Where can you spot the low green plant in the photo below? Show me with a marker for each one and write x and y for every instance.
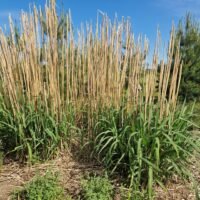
(41, 188)
(97, 188)
(145, 147)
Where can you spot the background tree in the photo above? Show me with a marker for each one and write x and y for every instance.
(189, 34)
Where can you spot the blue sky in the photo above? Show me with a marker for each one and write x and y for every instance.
(146, 15)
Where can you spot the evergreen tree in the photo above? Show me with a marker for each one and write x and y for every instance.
(189, 34)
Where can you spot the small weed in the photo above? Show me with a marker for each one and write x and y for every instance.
(41, 188)
(97, 188)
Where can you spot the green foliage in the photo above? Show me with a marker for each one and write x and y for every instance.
(147, 149)
(41, 188)
(189, 34)
(32, 133)
(97, 188)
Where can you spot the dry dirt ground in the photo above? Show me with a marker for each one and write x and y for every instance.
(13, 176)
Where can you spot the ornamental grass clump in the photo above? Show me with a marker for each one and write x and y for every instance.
(95, 69)
(57, 82)
(97, 84)
(147, 150)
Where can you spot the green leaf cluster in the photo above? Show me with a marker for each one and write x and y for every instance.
(97, 188)
(41, 188)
